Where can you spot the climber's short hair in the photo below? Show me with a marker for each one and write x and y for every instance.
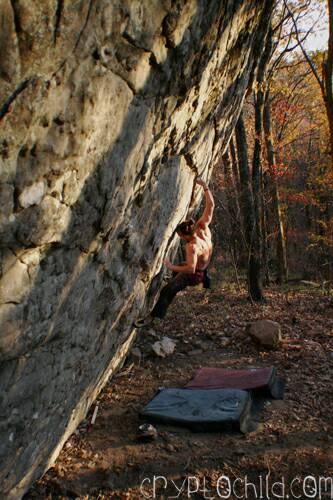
(186, 228)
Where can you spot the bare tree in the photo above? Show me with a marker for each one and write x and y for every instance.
(251, 224)
(325, 79)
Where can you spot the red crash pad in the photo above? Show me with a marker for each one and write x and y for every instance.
(257, 379)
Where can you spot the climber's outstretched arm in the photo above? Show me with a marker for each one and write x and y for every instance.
(207, 215)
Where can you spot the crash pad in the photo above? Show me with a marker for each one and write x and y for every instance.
(201, 410)
(263, 381)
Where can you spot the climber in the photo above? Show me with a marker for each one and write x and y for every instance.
(198, 253)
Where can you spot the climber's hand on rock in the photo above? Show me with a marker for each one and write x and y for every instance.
(167, 263)
(201, 182)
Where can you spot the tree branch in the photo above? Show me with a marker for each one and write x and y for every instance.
(305, 54)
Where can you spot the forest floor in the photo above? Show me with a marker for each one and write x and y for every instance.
(293, 440)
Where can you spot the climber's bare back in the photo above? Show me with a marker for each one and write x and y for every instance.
(199, 239)
(202, 245)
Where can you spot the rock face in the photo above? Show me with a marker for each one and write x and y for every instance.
(108, 110)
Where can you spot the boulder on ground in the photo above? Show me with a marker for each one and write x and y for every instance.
(164, 347)
(265, 332)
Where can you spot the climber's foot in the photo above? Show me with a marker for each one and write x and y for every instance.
(142, 322)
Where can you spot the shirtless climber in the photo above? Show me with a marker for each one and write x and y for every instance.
(198, 253)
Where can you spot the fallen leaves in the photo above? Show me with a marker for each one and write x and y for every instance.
(294, 435)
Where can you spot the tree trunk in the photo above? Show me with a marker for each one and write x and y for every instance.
(232, 204)
(282, 270)
(242, 253)
(327, 77)
(256, 172)
(265, 248)
(234, 164)
(247, 204)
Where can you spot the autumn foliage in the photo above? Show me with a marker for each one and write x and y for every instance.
(295, 200)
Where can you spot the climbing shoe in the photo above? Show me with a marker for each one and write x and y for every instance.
(142, 322)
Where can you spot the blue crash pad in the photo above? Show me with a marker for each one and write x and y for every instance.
(201, 410)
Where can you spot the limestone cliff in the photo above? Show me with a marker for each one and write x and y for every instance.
(108, 108)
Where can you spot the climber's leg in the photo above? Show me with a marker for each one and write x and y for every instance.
(167, 294)
(175, 285)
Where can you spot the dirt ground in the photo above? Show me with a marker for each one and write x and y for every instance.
(290, 455)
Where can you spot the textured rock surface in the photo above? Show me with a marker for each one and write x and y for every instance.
(265, 332)
(107, 111)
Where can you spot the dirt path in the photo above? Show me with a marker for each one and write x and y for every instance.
(293, 440)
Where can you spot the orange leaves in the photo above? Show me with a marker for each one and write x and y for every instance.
(283, 110)
(303, 198)
(281, 169)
